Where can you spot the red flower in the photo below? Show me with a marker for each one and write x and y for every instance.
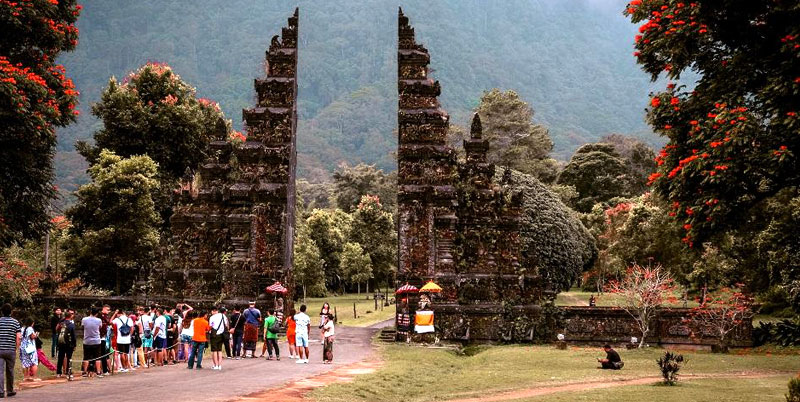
(655, 102)
(674, 101)
(694, 122)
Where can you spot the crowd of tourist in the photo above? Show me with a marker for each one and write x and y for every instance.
(155, 336)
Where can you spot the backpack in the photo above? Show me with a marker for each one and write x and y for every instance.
(62, 335)
(275, 327)
(125, 329)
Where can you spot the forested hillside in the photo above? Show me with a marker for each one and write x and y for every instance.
(570, 59)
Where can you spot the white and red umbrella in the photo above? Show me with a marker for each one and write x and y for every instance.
(277, 288)
(406, 289)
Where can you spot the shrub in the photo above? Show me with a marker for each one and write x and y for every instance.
(794, 390)
(783, 333)
(670, 364)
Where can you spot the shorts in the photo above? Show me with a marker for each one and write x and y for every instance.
(147, 342)
(159, 343)
(216, 342)
(301, 340)
(186, 339)
(124, 348)
(91, 352)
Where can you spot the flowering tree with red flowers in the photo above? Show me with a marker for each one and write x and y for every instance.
(35, 98)
(18, 281)
(720, 314)
(642, 291)
(734, 138)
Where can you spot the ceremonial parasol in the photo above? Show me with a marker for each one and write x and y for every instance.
(406, 289)
(431, 287)
(277, 288)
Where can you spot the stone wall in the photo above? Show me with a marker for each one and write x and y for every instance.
(598, 325)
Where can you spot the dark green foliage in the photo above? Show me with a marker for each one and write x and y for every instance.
(554, 241)
(783, 333)
(570, 60)
(598, 174)
(734, 138)
(638, 157)
(35, 98)
(114, 223)
(155, 113)
(670, 364)
(794, 390)
(374, 230)
(350, 184)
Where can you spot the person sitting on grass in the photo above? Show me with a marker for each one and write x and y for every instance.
(612, 360)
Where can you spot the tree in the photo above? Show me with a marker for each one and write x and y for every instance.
(598, 174)
(35, 98)
(733, 139)
(719, 314)
(328, 229)
(308, 268)
(374, 230)
(355, 264)
(153, 112)
(352, 183)
(642, 291)
(553, 239)
(514, 140)
(313, 195)
(18, 280)
(114, 223)
(639, 159)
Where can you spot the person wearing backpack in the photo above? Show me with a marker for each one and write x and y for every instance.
(27, 352)
(67, 341)
(271, 328)
(124, 328)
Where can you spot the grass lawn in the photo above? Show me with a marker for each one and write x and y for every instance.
(365, 309)
(578, 297)
(710, 390)
(420, 374)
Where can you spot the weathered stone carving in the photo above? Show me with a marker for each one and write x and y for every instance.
(456, 226)
(233, 228)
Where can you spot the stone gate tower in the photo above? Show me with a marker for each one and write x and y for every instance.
(233, 228)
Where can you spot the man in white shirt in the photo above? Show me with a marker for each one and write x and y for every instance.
(303, 322)
(146, 331)
(124, 327)
(160, 335)
(219, 324)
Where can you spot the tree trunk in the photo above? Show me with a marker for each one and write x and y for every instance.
(304, 293)
(359, 287)
(367, 286)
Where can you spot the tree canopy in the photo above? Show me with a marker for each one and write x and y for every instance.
(35, 98)
(598, 173)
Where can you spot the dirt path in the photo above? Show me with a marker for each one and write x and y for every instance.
(296, 391)
(601, 384)
(237, 378)
(573, 300)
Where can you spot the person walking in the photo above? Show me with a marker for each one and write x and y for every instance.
(290, 333)
(27, 352)
(271, 328)
(199, 339)
(123, 327)
(91, 344)
(10, 339)
(302, 328)
(54, 320)
(327, 339)
(66, 339)
(218, 325)
(237, 331)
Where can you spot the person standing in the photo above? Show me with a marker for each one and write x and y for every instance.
(200, 328)
(160, 335)
(10, 339)
(66, 339)
(252, 317)
(290, 333)
(54, 320)
(27, 352)
(146, 322)
(271, 329)
(327, 340)
(124, 327)
(187, 332)
(105, 332)
(91, 343)
(237, 331)
(302, 328)
(218, 325)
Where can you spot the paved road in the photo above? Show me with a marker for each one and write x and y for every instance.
(237, 378)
